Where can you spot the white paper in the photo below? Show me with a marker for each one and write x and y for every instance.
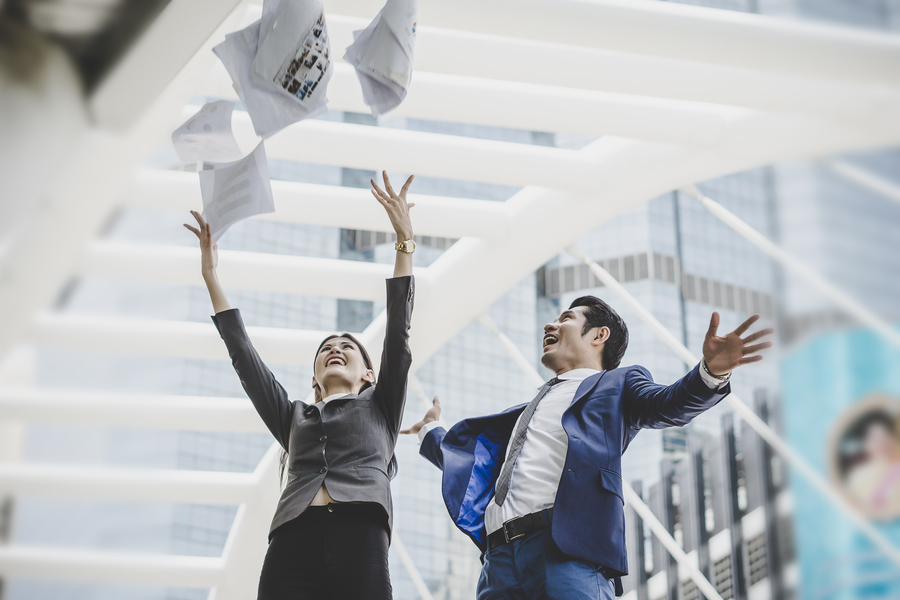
(236, 191)
(382, 54)
(294, 54)
(207, 136)
(269, 110)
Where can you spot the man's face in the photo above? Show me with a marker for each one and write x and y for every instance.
(565, 348)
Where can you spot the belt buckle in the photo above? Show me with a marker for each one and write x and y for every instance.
(506, 532)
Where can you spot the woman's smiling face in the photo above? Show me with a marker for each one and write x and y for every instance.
(340, 365)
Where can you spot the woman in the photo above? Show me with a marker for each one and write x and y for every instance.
(330, 534)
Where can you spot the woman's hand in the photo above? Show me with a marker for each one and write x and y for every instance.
(209, 252)
(433, 414)
(209, 260)
(396, 206)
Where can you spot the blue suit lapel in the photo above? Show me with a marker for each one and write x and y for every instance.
(587, 386)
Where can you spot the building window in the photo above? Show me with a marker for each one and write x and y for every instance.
(722, 578)
(756, 557)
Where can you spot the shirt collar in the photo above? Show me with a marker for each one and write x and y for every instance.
(334, 397)
(578, 374)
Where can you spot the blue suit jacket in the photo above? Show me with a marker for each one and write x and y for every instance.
(608, 410)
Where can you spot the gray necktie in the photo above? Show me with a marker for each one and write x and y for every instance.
(518, 440)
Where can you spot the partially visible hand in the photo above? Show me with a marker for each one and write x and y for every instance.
(724, 354)
(396, 206)
(209, 259)
(433, 414)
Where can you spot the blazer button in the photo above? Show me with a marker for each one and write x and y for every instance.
(323, 438)
(323, 469)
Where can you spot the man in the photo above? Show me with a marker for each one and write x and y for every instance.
(538, 487)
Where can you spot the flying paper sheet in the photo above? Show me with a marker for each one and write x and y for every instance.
(207, 135)
(270, 110)
(294, 54)
(383, 55)
(235, 191)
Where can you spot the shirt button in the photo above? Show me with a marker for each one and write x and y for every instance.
(323, 438)
(330, 508)
(323, 469)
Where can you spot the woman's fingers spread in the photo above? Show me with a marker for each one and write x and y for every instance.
(196, 231)
(407, 184)
(199, 218)
(387, 183)
(379, 198)
(378, 190)
(410, 205)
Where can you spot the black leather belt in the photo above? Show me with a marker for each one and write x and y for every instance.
(520, 527)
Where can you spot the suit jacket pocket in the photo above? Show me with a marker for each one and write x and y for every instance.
(371, 468)
(612, 482)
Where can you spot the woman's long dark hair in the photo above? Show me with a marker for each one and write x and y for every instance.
(392, 466)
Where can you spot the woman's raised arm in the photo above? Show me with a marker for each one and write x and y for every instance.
(209, 259)
(390, 390)
(398, 211)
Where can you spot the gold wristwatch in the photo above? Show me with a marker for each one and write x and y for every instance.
(409, 246)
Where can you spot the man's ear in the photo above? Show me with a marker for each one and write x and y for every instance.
(601, 334)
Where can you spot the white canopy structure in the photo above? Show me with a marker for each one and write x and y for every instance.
(675, 95)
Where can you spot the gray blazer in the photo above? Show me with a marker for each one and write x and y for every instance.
(345, 444)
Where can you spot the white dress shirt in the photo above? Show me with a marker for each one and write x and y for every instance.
(538, 469)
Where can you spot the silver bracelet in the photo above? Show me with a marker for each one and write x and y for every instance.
(721, 378)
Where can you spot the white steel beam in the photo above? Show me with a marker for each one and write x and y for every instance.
(144, 485)
(35, 562)
(795, 460)
(672, 30)
(866, 179)
(247, 541)
(331, 205)
(529, 106)
(353, 280)
(851, 306)
(179, 33)
(169, 338)
(444, 51)
(432, 154)
(185, 413)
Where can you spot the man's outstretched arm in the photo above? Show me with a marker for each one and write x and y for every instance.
(653, 406)
(431, 432)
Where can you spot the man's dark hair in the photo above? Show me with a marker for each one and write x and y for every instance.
(600, 314)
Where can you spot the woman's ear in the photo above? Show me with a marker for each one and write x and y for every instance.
(369, 376)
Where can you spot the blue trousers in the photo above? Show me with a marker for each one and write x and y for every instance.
(533, 568)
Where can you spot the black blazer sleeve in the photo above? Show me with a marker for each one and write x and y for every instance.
(267, 395)
(396, 358)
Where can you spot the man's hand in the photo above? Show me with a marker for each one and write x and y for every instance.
(433, 414)
(724, 354)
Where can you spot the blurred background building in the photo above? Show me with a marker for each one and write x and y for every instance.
(754, 530)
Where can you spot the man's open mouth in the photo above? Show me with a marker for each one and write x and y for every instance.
(550, 339)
